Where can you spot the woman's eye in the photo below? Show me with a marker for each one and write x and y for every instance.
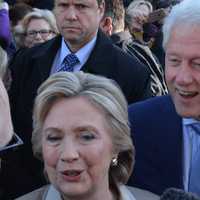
(53, 138)
(87, 136)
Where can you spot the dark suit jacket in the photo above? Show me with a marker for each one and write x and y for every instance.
(31, 67)
(156, 130)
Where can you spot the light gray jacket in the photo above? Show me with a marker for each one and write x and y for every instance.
(50, 193)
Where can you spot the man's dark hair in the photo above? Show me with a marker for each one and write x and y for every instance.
(18, 11)
(115, 10)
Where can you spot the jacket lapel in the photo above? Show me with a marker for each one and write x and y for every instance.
(44, 59)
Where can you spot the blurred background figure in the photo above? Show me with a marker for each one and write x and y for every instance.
(16, 14)
(113, 24)
(38, 26)
(5, 32)
(137, 14)
(44, 4)
(6, 128)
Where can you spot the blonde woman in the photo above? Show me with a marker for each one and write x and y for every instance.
(39, 26)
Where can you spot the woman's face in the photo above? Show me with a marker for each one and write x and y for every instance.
(77, 148)
(38, 31)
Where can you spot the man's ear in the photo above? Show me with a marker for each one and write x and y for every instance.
(106, 25)
(102, 9)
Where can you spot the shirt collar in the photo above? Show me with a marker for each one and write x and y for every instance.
(52, 194)
(188, 121)
(82, 53)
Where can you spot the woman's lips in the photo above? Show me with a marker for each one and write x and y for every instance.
(72, 175)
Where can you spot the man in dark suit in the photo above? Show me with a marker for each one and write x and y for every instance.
(166, 130)
(78, 22)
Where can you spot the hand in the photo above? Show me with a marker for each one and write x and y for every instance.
(6, 127)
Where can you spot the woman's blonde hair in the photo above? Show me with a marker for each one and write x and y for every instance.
(47, 15)
(101, 92)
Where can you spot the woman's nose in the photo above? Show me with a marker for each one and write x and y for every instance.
(69, 151)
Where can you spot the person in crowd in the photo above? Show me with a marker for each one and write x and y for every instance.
(5, 32)
(137, 15)
(16, 14)
(88, 154)
(166, 129)
(6, 40)
(38, 26)
(44, 4)
(81, 46)
(112, 23)
(114, 26)
(6, 128)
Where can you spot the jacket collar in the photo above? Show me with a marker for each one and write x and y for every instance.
(53, 194)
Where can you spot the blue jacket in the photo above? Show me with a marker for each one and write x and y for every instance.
(156, 130)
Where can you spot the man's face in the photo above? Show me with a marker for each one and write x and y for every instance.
(183, 69)
(78, 20)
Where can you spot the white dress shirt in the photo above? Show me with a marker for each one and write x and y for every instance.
(187, 150)
(82, 54)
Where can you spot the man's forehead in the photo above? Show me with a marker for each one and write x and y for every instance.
(77, 1)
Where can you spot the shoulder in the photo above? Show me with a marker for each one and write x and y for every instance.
(105, 44)
(38, 50)
(36, 194)
(153, 112)
(140, 194)
(154, 103)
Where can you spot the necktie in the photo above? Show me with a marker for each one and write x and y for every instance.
(194, 179)
(68, 63)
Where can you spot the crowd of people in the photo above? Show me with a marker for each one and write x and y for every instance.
(100, 99)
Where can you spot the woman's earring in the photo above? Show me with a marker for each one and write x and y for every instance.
(114, 162)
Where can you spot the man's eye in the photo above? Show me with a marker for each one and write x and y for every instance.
(196, 65)
(80, 6)
(174, 61)
(62, 5)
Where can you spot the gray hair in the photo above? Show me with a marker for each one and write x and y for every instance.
(3, 62)
(131, 9)
(184, 13)
(101, 92)
(47, 15)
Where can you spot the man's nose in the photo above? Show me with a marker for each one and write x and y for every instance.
(184, 75)
(71, 13)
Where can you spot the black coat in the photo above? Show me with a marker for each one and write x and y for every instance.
(31, 67)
